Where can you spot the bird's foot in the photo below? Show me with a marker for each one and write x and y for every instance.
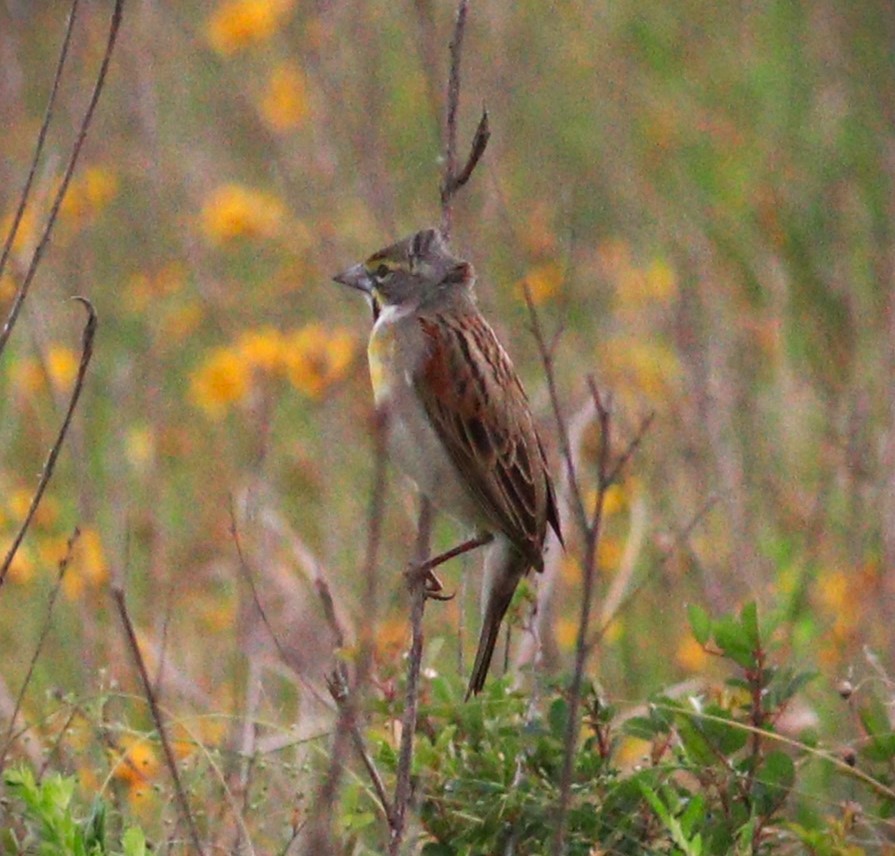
(433, 588)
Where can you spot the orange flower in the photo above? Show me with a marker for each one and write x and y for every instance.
(138, 763)
(21, 570)
(263, 348)
(234, 211)
(543, 281)
(62, 367)
(88, 194)
(690, 655)
(285, 102)
(89, 568)
(316, 358)
(236, 24)
(221, 380)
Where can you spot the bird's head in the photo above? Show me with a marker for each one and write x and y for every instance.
(417, 270)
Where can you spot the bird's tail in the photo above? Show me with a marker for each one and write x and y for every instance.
(504, 567)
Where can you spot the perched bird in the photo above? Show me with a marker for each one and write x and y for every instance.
(457, 417)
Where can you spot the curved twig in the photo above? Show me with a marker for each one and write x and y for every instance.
(22, 292)
(49, 466)
(454, 180)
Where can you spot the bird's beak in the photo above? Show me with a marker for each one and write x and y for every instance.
(356, 277)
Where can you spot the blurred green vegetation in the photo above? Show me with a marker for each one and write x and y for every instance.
(699, 194)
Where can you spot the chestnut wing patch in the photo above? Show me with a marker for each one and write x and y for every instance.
(478, 408)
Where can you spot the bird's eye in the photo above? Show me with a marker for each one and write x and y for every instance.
(382, 271)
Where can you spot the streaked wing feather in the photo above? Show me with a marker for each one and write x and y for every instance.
(482, 418)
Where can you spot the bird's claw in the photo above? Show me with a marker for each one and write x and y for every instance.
(433, 587)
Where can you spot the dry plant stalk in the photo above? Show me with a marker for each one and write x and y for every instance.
(22, 291)
(50, 465)
(344, 695)
(589, 525)
(38, 148)
(170, 762)
(320, 838)
(452, 182)
(44, 631)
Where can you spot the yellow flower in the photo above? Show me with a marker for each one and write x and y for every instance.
(21, 570)
(632, 751)
(89, 567)
(543, 281)
(609, 554)
(222, 379)
(834, 591)
(51, 550)
(264, 348)
(566, 630)
(317, 357)
(285, 101)
(391, 636)
(639, 288)
(26, 234)
(7, 287)
(234, 211)
(690, 655)
(139, 447)
(649, 368)
(143, 289)
(47, 512)
(138, 763)
(89, 193)
(178, 322)
(62, 366)
(236, 24)
(27, 377)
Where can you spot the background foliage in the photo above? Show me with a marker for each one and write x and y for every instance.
(699, 194)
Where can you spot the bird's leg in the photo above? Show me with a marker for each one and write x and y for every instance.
(434, 586)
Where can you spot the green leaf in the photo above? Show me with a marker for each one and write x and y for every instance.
(774, 781)
(700, 623)
(693, 817)
(437, 849)
(733, 640)
(722, 731)
(558, 718)
(749, 621)
(133, 842)
(875, 720)
(642, 727)
(698, 749)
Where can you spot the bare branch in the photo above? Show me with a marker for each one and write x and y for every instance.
(452, 180)
(479, 143)
(247, 575)
(632, 447)
(453, 92)
(546, 353)
(582, 648)
(131, 637)
(66, 178)
(417, 582)
(49, 466)
(320, 836)
(338, 689)
(41, 138)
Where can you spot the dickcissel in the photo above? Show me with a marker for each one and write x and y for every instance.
(457, 417)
